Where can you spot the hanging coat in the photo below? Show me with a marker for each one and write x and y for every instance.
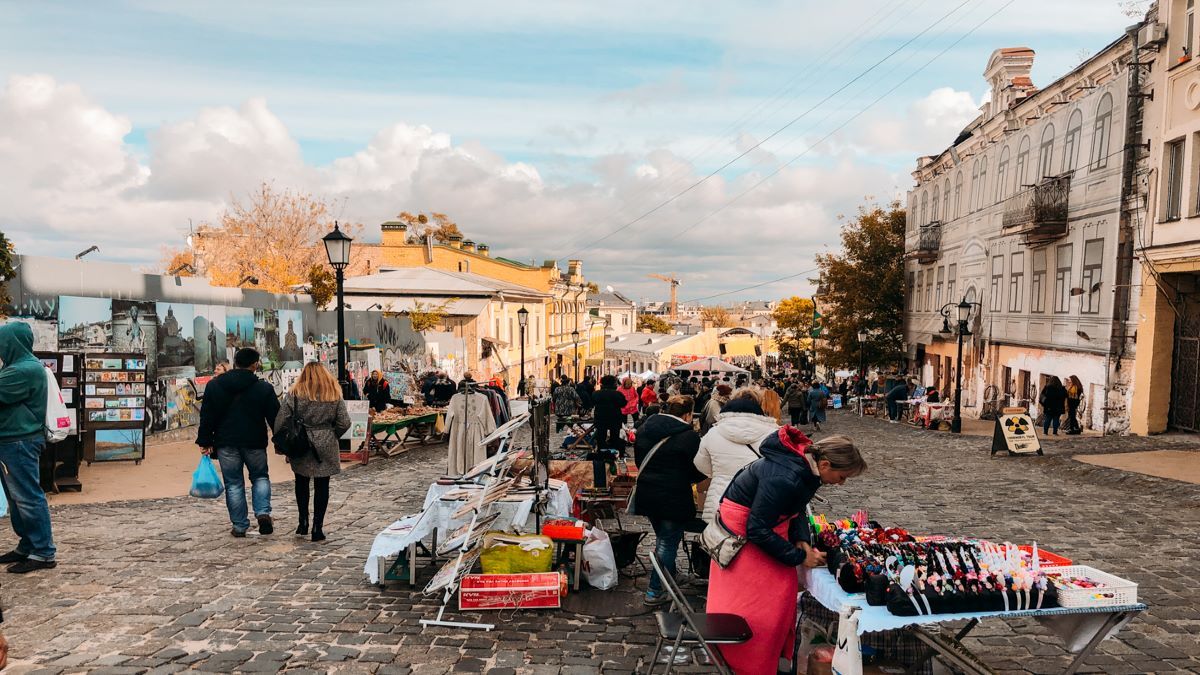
(467, 427)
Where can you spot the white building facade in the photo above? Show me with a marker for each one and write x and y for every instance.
(1028, 213)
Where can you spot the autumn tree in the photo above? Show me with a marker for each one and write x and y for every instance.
(427, 316)
(863, 289)
(8, 252)
(654, 324)
(272, 235)
(438, 225)
(717, 317)
(794, 318)
(322, 284)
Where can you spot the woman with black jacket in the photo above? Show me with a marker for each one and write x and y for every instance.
(1054, 404)
(765, 503)
(378, 391)
(608, 417)
(664, 483)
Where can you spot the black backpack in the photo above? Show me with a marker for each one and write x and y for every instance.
(292, 440)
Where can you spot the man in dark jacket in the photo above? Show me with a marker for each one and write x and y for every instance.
(900, 392)
(235, 414)
(795, 397)
(664, 484)
(22, 438)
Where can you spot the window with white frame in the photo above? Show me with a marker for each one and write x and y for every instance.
(982, 183)
(1093, 264)
(1062, 279)
(1001, 175)
(997, 279)
(1037, 282)
(937, 198)
(1071, 144)
(1189, 27)
(1022, 179)
(1174, 179)
(941, 279)
(958, 180)
(1101, 132)
(951, 274)
(912, 304)
(929, 291)
(924, 209)
(1045, 154)
(1016, 281)
(946, 215)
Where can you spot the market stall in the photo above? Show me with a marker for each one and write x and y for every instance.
(395, 428)
(883, 579)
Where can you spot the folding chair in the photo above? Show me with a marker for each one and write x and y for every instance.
(688, 627)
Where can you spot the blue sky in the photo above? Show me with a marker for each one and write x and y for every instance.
(538, 126)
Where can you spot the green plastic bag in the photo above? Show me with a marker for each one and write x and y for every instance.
(516, 554)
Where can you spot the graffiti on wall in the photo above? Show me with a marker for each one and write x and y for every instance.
(173, 403)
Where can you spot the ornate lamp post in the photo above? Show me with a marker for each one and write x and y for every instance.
(962, 317)
(862, 369)
(522, 321)
(337, 248)
(575, 339)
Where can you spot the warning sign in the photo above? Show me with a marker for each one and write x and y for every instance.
(1017, 434)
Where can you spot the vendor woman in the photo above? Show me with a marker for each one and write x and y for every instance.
(765, 503)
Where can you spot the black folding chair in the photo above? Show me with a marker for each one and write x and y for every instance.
(685, 626)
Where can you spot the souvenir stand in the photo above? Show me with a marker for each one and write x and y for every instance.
(60, 461)
(884, 579)
(113, 415)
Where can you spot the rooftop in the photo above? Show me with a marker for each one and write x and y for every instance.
(429, 281)
(644, 342)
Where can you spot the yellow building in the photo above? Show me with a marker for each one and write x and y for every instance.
(640, 352)
(564, 309)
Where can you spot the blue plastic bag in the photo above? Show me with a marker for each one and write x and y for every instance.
(3, 496)
(206, 483)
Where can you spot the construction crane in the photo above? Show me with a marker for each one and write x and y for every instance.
(674, 281)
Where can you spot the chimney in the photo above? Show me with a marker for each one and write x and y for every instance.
(395, 233)
(574, 268)
(468, 246)
(456, 241)
(484, 250)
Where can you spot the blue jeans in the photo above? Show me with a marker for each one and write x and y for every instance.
(667, 535)
(255, 461)
(1048, 420)
(26, 501)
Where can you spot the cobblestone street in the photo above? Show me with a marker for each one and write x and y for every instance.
(160, 586)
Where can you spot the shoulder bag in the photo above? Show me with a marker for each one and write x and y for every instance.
(717, 541)
(629, 504)
(292, 440)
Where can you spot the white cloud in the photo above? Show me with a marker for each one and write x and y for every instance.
(928, 126)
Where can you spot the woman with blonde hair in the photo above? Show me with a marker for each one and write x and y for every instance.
(316, 402)
(772, 405)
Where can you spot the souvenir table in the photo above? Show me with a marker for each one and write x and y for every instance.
(419, 429)
(1081, 629)
(929, 414)
(405, 534)
(515, 515)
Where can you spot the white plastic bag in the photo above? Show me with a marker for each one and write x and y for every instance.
(599, 562)
(58, 420)
(847, 660)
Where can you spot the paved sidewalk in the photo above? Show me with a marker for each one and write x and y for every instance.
(160, 586)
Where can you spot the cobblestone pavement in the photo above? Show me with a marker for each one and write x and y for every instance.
(160, 586)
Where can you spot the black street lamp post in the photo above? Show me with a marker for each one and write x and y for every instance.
(522, 320)
(337, 248)
(962, 318)
(862, 369)
(575, 338)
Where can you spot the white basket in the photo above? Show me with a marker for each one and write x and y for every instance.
(1116, 591)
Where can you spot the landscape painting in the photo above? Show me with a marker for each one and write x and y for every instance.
(114, 445)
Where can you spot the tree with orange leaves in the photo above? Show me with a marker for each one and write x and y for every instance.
(436, 224)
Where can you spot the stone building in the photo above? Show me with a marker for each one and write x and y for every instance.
(1030, 213)
(1167, 382)
(618, 312)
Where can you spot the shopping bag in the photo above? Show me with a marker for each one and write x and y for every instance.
(3, 496)
(599, 561)
(206, 484)
(58, 419)
(847, 659)
(516, 554)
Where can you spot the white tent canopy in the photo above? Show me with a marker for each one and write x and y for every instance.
(710, 364)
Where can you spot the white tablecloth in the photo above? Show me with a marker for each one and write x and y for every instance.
(514, 516)
(395, 539)
(1075, 626)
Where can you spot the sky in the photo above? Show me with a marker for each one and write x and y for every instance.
(721, 142)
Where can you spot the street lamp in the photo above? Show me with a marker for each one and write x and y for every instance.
(962, 317)
(862, 369)
(522, 320)
(575, 338)
(337, 248)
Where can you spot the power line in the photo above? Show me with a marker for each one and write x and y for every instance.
(750, 288)
(844, 124)
(775, 133)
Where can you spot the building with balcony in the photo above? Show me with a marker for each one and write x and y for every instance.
(1029, 212)
(1167, 245)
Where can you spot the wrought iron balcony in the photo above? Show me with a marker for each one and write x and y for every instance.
(1039, 213)
(929, 243)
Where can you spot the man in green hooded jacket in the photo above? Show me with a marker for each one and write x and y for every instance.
(22, 439)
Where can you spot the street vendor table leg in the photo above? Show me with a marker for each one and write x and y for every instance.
(930, 653)
(578, 563)
(955, 654)
(1112, 621)
(412, 565)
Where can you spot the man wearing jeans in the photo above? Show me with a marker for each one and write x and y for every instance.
(237, 410)
(22, 438)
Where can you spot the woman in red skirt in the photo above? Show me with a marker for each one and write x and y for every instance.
(766, 504)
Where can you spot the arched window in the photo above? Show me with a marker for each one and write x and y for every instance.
(958, 194)
(1046, 154)
(946, 213)
(982, 182)
(1022, 178)
(1101, 132)
(937, 198)
(973, 198)
(1071, 145)
(924, 209)
(1002, 175)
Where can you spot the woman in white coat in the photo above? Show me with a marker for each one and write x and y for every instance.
(732, 444)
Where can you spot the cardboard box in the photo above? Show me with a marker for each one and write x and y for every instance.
(539, 590)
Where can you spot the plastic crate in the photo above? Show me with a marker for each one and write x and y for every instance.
(1048, 559)
(1116, 591)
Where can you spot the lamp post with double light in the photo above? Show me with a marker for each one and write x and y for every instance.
(962, 316)
(337, 248)
(522, 321)
(575, 339)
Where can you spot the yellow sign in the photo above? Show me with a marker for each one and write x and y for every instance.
(1016, 434)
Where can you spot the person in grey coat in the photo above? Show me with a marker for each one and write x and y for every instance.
(315, 400)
